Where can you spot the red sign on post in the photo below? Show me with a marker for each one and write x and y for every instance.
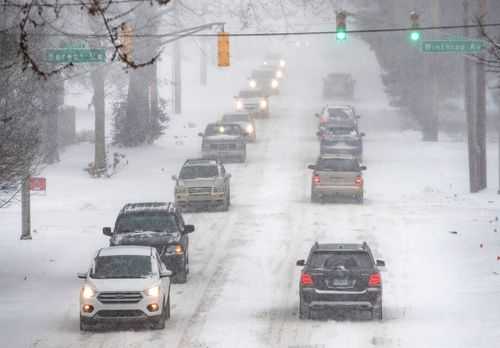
(38, 184)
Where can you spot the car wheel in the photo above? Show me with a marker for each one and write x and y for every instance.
(304, 310)
(229, 197)
(159, 323)
(314, 198)
(181, 276)
(360, 198)
(84, 326)
(377, 312)
(225, 205)
(166, 309)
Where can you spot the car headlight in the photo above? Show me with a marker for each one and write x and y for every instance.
(88, 292)
(249, 129)
(239, 105)
(252, 83)
(154, 291)
(282, 63)
(275, 83)
(175, 249)
(279, 74)
(263, 104)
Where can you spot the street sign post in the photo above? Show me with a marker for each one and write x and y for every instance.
(76, 53)
(453, 46)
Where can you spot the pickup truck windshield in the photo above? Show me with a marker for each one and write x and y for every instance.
(194, 172)
(347, 259)
(338, 165)
(235, 118)
(250, 94)
(142, 222)
(121, 266)
(228, 129)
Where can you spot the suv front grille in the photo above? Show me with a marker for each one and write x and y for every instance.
(251, 106)
(119, 297)
(200, 190)
(119, 313)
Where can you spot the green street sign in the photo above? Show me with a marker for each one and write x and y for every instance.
(453, 46)
(76, 55)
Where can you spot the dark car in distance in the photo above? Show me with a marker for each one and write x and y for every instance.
(340, 276)
(158, 225)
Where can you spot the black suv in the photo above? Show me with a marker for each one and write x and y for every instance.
(337, 276)
(158, 225)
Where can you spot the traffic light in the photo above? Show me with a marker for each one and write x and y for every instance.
(126, 41)
(223, 49)
(415, 33)
(341, 26)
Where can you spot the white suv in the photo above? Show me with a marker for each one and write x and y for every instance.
(125, 283)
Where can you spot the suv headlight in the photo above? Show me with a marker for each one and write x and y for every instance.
(175, 249)
(154, 291)
(249, 129)
(279, 74)
(239, 105)
(282, 63)
(252, 83)
(88, 291)
(274, 83)
(263, 104)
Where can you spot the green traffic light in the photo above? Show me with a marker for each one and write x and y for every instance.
(341, 35)
(415, 36)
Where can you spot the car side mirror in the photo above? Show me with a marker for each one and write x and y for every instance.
(200, 134)
(82, 275)
(166, 274)
(311, 166)
(174, 177)
(228, 175)
(362, 134)
(380, 263)
(362, 167)
(318, 133)
(316, 114)
(301, 263)
(107, 231)
(188, 228)
(358, 116)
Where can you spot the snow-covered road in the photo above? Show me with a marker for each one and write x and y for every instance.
(441, 289)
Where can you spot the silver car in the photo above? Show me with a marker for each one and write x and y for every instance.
(253, 101)
(246, 122)
(224, 141)
(342, 141)
(337, 176)
(203, 184)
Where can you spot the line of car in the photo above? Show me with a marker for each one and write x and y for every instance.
(339, 276)
(130, 280)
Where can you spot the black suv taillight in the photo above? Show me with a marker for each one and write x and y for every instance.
(306, 279)
(375, 280)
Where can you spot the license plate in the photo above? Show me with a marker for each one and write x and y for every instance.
(340, 282)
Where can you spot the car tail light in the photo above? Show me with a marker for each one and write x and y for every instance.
(306, 279)
(316, 179)
(359, 180)
(375, 280)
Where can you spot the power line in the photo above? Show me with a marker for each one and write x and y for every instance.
(57, 4)
(296, 33)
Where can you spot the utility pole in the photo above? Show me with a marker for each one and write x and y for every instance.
(203, 54)
(471, 116)
(176, 67)
(481, 107)
(97, 77)
(431, 130)
(26, 208)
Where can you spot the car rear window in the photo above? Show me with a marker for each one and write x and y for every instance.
(334, 259)
(146, 222)
(121, 266)
(338, 165)
(338, 113)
